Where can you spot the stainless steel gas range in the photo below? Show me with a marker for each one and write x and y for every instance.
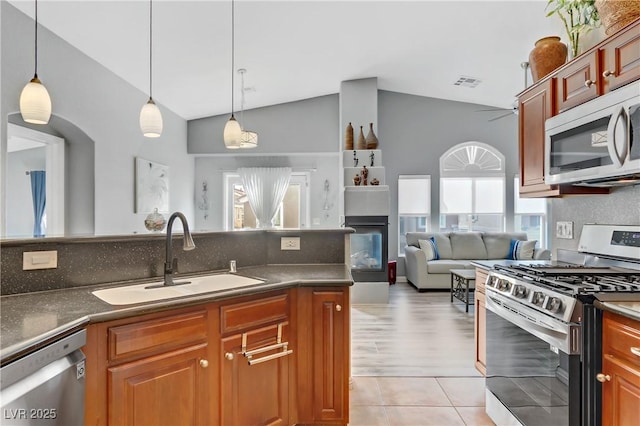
(543, 331)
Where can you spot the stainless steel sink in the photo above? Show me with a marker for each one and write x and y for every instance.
(141, 293)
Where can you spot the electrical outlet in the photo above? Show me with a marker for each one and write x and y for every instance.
(290, 243)
(39, 260)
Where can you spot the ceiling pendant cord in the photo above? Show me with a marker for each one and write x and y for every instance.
(150, 115)
(232, 134)
(35, 102)
(249, 138)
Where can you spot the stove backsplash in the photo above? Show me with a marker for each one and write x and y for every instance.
(621, 207)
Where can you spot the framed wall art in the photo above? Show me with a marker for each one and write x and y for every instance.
(152, 186)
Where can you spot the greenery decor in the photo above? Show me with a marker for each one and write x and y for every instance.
(578, 16)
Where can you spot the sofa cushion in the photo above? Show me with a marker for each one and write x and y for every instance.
(443, 266)
(429, 248)
(498, 243)
(442, 241)
(522, 250)
(467, 245)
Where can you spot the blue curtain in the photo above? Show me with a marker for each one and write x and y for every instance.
(39, 195)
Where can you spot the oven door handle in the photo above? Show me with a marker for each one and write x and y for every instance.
(560, 337)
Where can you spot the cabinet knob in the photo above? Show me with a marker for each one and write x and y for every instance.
(603, 377)
(607, 73)
(228, 356)
(589, 83)
(204, 363)
(635, 351)
(338, 308)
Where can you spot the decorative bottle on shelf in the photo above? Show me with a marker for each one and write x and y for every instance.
(371, 140)
(361, 144)
(348, 138)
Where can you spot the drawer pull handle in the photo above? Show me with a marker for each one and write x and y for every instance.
(589, 83)
(284, 352)
(338, 308)
(228, 356)
(607, 73)
(635, 351)
(278, 345)
(603, 377)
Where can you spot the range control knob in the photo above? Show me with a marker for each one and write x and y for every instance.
(538, 298)
(491, 282)
(554, 304)
(520, 291)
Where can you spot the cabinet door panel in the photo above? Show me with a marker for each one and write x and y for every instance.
(534, 108)
(620, 395)
(621, 59)
(571, 82)
(167, 389)
(330, 355)
(254, 394)
(480, 334)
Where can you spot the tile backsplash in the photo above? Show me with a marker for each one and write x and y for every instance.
(99, 260)
(620, 207)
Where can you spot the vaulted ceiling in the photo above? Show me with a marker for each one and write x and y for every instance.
(295, 50)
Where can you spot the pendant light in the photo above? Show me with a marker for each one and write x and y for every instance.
(150, 116)
(232, 130)
(35, 103)
(248, 138)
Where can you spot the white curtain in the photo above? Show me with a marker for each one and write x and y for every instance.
(265, 188)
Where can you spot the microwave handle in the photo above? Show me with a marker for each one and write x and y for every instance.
(617, 135)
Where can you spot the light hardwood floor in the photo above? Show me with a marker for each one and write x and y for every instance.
(412, 362)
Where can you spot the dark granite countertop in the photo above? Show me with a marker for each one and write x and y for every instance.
(625, 304)
(30, 320)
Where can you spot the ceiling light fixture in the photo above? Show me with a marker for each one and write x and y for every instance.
(150, 116)
(232, 130)
(248, 138)
(35, 103)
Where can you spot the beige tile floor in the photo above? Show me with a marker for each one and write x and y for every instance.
(412, 363)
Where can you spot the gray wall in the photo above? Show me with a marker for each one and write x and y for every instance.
(306, 126)
(621, 207)
(103, 106)
(415, 131)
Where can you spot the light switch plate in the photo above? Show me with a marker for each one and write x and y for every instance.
(39, 260)
(290, 243)
(564, 230)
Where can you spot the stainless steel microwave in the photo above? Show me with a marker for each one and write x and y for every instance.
(596, 143)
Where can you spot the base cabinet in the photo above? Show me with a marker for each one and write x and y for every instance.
(480, 322)
(620, 375)
(277, 358)
(167, 389)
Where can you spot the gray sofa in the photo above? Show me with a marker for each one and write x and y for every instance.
(456, 251)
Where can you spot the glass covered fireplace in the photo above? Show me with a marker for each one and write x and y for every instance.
(369, 247)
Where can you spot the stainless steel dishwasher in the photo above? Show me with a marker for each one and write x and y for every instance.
(45, 387)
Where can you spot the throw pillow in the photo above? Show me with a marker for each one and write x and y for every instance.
(521, 250)
(430, 248)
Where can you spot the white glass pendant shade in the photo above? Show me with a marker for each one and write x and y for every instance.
(35, 103)
(232, 134)
(151, 120)
(249, 139)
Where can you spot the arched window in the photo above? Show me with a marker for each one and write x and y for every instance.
(472, 188)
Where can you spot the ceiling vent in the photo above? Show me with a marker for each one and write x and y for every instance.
(465, 81)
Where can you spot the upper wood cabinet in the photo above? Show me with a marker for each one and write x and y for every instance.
(620, 376)
(620, 59)
(578, 82)
(613, 63)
